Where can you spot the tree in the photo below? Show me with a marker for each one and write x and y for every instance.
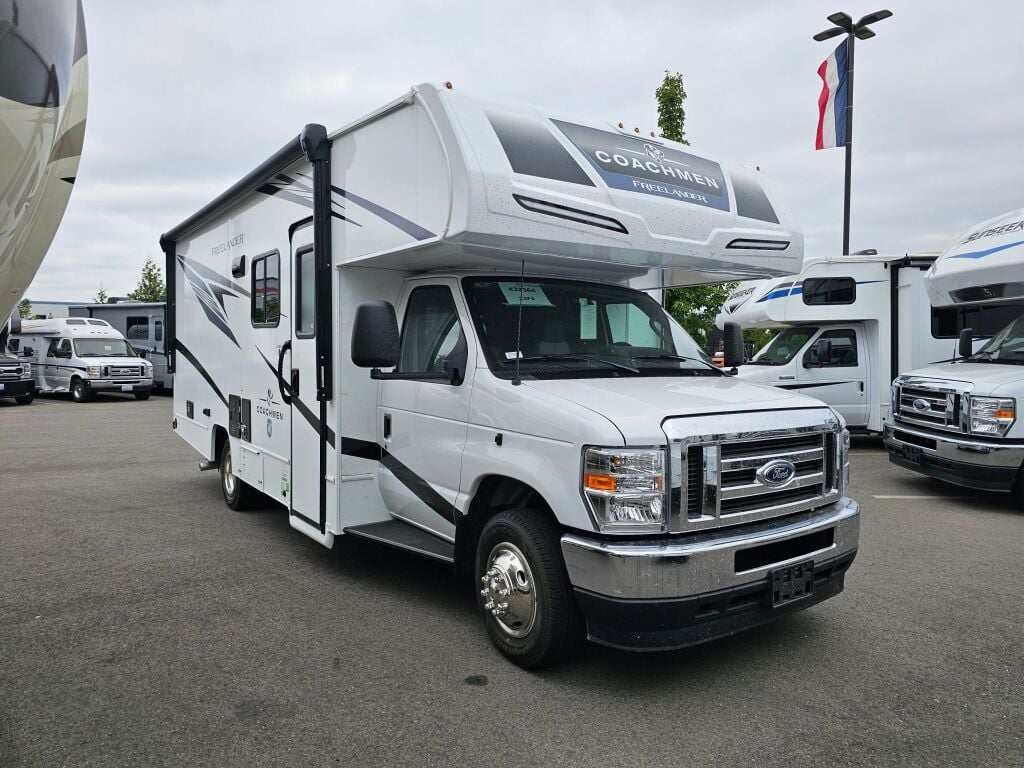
(151, 284)
(25, 309)
(101, 295)
(671, 115)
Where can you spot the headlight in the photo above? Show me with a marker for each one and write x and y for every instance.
(147, 372)
(625, 488)
(94, 370)
(992, 415)
(26, 371)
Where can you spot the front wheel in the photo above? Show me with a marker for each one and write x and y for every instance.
(25, 399)
(526, 598)
(237, 494)
(142, 395)
(79, 393)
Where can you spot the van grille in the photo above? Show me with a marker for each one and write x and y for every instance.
(929, 405)
(123, 371)
(10, 373)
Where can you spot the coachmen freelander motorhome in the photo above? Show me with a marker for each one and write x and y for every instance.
(959, 422)
(82, 356)
(870, 311)
(142, 324)
(543, 426)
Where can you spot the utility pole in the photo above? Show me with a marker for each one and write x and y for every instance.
(844, 23)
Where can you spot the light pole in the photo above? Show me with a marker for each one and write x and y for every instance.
(844, 23)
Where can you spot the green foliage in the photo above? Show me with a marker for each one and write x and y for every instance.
(101, 295)
(671, 115)
(695, 307)
(760, 336)
(25, 309)
(151, 284)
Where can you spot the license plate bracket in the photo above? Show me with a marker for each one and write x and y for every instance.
(127, 387)
(912, 453)
(791, 583)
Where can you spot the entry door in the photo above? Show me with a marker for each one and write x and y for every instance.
(841, 381)
(423, 423)
(306, 427)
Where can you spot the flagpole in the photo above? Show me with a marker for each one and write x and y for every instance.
(849, 143)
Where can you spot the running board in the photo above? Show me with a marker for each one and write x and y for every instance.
(395, 533)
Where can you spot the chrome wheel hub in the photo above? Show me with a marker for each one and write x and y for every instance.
(508, 590)
(229, 477)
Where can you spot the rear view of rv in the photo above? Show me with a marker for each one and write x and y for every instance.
(418, 330)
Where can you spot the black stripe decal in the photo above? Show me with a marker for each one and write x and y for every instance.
(815, 385)
(410, 228)
(300, 406)
(187, 354)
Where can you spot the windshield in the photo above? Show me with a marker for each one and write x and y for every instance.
(1007, 346)
(783, 347)
(103, 348)
(573, 329)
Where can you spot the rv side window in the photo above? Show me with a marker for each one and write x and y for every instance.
(158, 330)
(137, 327)
(947, 322)
(430, 331)
(266, 286)
(305, 294)
(844, 348)
(830, 290)
(59, 348)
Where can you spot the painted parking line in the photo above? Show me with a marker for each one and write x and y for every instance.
(920, 497)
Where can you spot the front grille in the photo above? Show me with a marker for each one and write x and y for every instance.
(123, 371)
(10, 374)
(935, 406)
(728, 482)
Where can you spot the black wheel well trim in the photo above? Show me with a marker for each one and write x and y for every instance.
(220, 436)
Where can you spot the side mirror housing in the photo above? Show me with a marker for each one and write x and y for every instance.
(28, 351)
(375, 335)
(965, 344)
(455, 362)
(732, 352)
(818, 354)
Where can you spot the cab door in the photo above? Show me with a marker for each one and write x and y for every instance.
(57, 375)
(422, 422)
(840, 381)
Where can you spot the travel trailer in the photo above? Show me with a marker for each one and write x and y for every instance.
(958, 421)
(82, 357)
(871, 312)
(531, 420)
(142, 323)
(43, 100)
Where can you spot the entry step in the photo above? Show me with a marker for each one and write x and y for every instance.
(395, 533)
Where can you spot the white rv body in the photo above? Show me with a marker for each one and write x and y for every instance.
(458, 212)
(142, 324)
(81, 356)
(960, 421)
(876, 313)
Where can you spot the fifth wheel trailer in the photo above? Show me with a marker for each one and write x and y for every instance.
(541, 425)
(871, 309)
(958, 421)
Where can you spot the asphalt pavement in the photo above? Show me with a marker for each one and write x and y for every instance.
(143, 623)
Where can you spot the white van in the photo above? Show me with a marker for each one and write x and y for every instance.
(82, 356)
(532, 419)
(872, 313)
(959, 421)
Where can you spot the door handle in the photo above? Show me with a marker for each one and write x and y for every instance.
(280, 371)
(387, 426)
(295, 382)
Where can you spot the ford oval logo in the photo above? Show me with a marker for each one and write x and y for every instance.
(922, 405)
(778, 472)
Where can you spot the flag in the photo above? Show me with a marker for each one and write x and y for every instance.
(832, 100)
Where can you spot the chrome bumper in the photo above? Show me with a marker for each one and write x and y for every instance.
(704, 562)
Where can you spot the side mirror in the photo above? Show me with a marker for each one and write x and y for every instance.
(455, 362)
(732, 352)
(823, 351)
(965, 344)
(375, 335)
(28, 351)
(142, 352)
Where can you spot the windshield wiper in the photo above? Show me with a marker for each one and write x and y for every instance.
(570, 356)
(669, 356)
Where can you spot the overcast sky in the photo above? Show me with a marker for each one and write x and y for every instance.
(187, 97)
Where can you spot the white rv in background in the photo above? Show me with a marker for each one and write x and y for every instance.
(849, 325)
(960, 422)
(81, 357)
(540, 424)
(142, 324)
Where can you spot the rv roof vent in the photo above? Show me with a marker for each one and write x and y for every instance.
(866, 252)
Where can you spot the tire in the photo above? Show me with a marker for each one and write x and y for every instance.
(25, 399)
(541, 623)
(238, 495)
(79, 393)
(142, 395)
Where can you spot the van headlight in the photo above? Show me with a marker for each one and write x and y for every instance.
(992, 415)
(94, 370)
(26, 371)
(625, 488)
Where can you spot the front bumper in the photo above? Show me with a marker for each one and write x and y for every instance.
(957, 459)
(658, 594)
(17, 387)
(113, 385)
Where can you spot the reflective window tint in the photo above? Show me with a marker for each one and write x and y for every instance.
(830, 290)
(137, 328)
(305, 280)
(266, 286)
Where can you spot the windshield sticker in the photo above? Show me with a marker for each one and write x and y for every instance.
(532, 294)
(588, 319)
(649, 167)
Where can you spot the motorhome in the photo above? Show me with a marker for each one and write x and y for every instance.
(958, 421)
(531, 420)
(81, 356)
(848, 325)
(142, 323)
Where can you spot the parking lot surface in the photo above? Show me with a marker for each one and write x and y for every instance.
(144, 623)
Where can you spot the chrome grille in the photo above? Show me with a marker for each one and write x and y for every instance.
(935, 404)
(10, 374)
(123, 371)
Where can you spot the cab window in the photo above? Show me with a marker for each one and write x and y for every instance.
(430, 331)
(844, 348)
